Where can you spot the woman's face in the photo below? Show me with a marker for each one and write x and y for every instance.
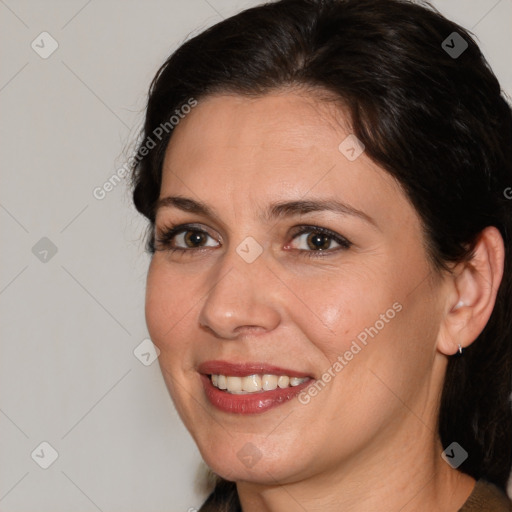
(302, 261)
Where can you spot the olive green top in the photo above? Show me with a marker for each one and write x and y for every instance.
(486, 497)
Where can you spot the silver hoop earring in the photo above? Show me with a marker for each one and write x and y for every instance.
(460, 349)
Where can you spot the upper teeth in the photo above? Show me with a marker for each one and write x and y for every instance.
(254, 383)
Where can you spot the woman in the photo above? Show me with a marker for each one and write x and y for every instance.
(330, 284)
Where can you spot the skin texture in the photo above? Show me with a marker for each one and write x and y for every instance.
(368, 440)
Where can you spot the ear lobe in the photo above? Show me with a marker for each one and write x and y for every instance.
(473, 289)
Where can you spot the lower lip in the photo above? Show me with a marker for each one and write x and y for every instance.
(251, 403)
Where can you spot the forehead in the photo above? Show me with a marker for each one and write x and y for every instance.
(274, 125)
(278, 146)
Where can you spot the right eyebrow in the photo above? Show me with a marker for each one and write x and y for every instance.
(185, 204)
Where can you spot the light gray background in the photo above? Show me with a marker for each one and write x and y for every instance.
(69, 326)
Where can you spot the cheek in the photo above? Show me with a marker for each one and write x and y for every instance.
(168, 304)
(370, 319)
(168, 309)
(338, 307)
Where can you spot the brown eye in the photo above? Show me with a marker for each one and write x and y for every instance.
(183, 238)
(194, 238)
(315, 239)
(318, 241)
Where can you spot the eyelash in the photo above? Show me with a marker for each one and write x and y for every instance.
(165, 237)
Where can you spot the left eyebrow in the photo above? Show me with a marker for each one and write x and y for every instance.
(291, 208)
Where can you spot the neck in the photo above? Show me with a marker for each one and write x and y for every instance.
(404, 473)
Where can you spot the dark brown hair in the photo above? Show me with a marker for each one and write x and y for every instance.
(436, 122)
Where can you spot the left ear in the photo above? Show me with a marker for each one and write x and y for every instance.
(472, 289)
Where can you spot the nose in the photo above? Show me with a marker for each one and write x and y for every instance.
(243, 298)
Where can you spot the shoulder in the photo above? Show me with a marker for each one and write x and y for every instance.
(487, 497)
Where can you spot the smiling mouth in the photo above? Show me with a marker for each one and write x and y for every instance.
(255, 383)
(250, 387)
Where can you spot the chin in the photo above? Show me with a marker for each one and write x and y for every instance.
(250, 461)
